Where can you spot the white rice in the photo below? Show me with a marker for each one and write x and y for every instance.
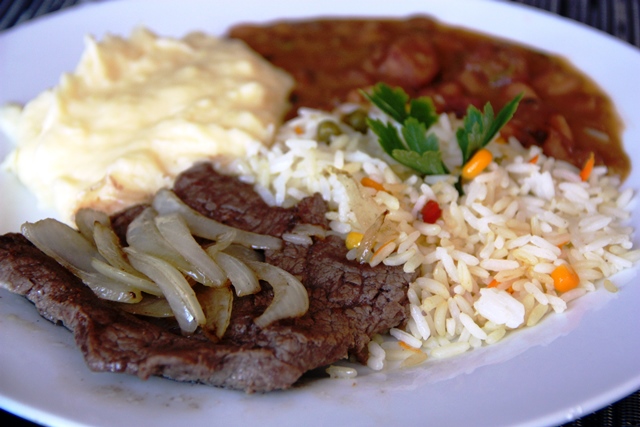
(515, 223)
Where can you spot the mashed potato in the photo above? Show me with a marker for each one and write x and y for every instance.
(136, 112)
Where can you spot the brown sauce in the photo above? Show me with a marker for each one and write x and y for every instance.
(563, 110)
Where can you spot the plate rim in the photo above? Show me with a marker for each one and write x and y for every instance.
(76, 9)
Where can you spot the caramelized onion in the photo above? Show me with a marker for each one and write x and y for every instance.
(290, 297)
(242, 278)
(244, 253)
(166, 202)
(149, 306)
(108, 245)
(364, 207)
(143, 236)
(106, 288)
(86, 218)
(161, 249)
(216, 304)
(134, 281)
(74, 252)
(363, 251)
(224, 241)
(175, 231)
(180, 296)
(62, 243)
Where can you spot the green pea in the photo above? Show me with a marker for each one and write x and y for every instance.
(326, 130)
(357, 119)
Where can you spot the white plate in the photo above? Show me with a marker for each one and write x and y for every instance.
(569, 366)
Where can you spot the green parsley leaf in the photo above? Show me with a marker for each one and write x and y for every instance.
(418, 150)
(392, 102)
(415, 134)
(424, 111)
(428, 163)
(478, 129)
(387, 135)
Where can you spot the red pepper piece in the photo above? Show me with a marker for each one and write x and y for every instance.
(431, 212)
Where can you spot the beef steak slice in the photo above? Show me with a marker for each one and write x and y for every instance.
(349, 302)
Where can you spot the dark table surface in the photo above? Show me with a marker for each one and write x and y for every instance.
(620, 18)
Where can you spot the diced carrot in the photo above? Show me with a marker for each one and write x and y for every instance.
(561, 244)
(298, 130)
(500, 140)
(407, 346)
(588, 167)
(371, 183)
(534, 159)
(477, 163)
(494, 284)
(565, 278)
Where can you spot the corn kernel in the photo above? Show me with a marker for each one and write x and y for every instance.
(353, 240)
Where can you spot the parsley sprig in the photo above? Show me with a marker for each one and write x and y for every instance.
(418, 150)
(413, 146)
(479, 128)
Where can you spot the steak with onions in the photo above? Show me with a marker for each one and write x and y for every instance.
(349, 302)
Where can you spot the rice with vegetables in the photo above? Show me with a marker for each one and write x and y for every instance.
(495, 252)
